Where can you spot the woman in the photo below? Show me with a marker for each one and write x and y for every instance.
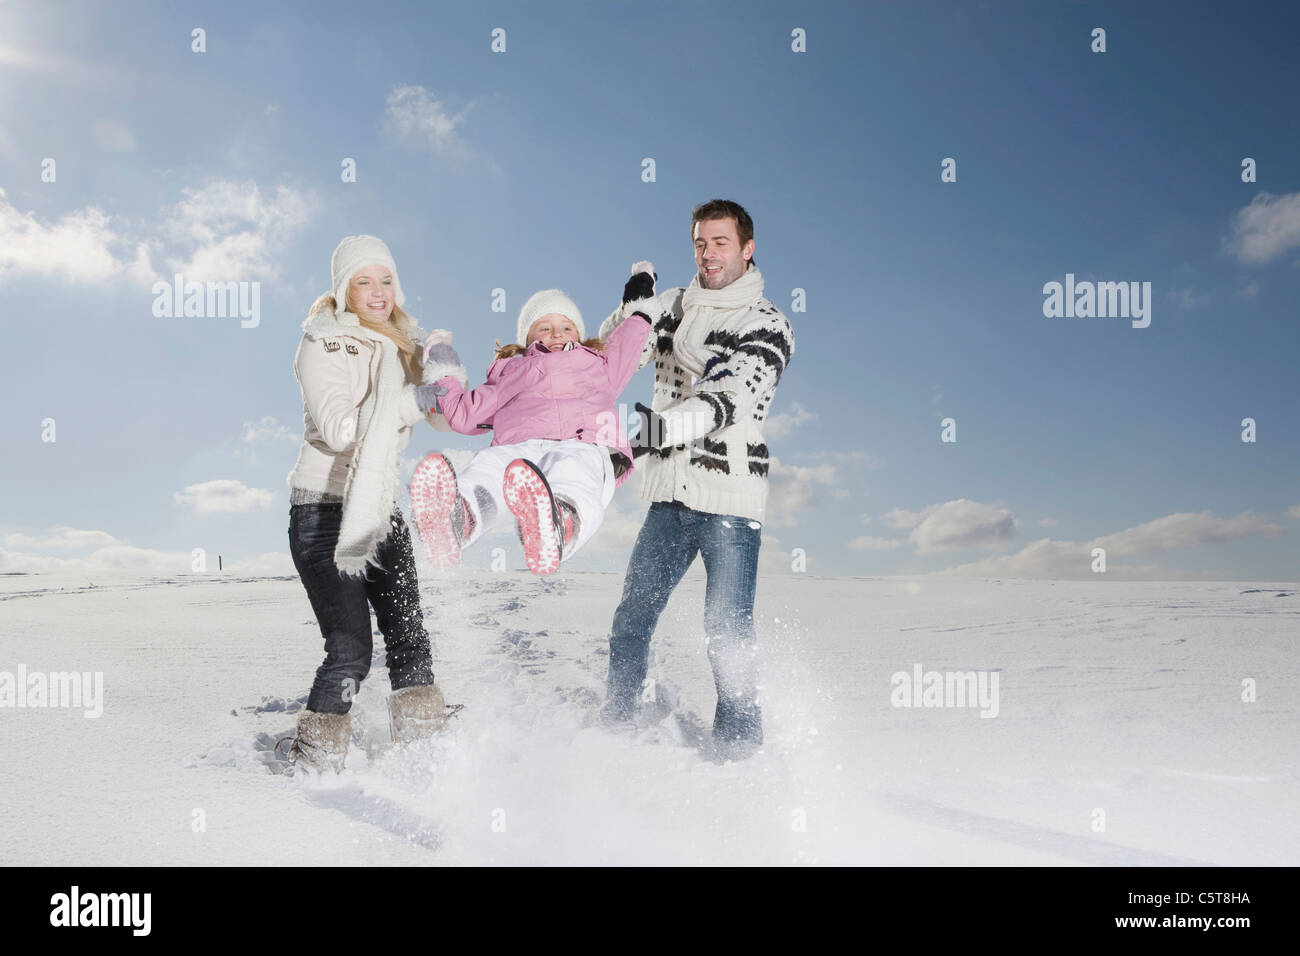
(359, 368)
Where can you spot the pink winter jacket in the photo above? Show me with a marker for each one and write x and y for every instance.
(558, 395)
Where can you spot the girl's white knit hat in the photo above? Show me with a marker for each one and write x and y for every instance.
(352, 255)
(544, 303)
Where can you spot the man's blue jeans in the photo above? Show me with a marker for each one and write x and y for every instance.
(342, 607)
(667, 544)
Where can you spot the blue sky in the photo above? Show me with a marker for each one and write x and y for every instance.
(523, 169)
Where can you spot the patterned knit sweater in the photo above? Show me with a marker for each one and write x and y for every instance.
(718, 356)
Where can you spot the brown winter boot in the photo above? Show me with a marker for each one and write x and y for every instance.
(415, 712)
(322, 741)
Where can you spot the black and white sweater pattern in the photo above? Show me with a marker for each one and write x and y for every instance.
(716, 374)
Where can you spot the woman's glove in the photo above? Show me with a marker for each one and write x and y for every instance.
(651, 434)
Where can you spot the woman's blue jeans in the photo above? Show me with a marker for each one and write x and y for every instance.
(342, 606)
(665, 547)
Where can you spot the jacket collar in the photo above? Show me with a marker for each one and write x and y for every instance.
(326, 323)
(543, 350)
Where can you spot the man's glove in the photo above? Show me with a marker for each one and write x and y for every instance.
(639, 293)
(652, 430)
(426, 396)
(642, 283)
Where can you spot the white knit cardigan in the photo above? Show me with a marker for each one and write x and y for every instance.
(716, 372)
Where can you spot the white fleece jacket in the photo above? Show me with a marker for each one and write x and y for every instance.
(358, 412)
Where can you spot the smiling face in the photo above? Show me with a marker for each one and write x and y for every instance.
(719, 254)
(371, 293)
(553, 330)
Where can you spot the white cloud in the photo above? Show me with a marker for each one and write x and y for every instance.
(413, 114)
(117, 558)
(796, 488)
(132, 560)
(1250, 290)
(774, 557)
(112, 135)
(900, 519)
(229, 231)
(268, 429)
(1044, 558)
(223, 496)
(783, 423)
(62, 539)
(868, 543)
(962, 524)
(223, 231)
(619, 528)
(1185, 530)
(82, 246)
(1267, 228)
(1293, 511)
(1047, 558)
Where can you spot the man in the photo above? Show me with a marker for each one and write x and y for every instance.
(719, 349)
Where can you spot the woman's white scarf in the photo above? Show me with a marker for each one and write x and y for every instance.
(370, 492)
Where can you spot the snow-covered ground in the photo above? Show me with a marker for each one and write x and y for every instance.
(1121, 734)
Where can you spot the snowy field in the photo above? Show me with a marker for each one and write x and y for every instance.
(1121, 736)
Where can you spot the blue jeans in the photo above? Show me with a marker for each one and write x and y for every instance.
(340, 604)
(665, 547)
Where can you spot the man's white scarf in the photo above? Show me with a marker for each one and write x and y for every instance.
(740, 294)
(370, 492)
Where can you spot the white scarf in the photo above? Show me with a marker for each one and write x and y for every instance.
(741, 294)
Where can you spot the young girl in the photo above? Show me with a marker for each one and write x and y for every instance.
(558, 449)
(358, 364)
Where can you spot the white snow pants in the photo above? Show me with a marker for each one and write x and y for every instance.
(579, 472)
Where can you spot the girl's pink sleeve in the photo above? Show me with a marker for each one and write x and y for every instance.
(465, 410)
(623, 350)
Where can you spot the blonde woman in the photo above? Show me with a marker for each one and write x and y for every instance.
(359, 367)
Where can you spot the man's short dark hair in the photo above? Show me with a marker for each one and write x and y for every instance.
(725, 209)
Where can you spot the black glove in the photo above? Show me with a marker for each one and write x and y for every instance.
(640, 286)
(651, 434)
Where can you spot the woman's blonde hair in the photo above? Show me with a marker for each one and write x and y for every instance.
(514, 348)
(400, 329)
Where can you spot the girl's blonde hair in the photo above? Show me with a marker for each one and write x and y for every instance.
(514, 348)
(400, 329)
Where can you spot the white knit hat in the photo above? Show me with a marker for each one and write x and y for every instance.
(352, 255)
(544, 303)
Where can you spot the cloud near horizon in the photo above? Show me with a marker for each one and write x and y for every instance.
(223, 496)
(1047, 558)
